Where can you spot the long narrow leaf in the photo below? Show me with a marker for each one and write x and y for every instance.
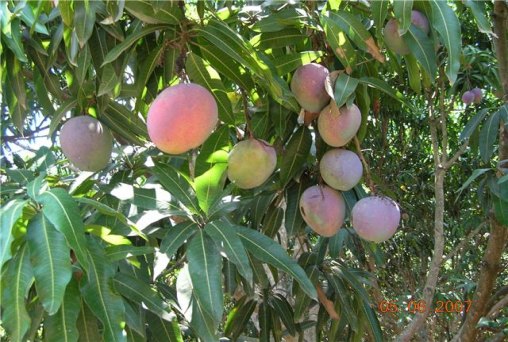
(51, 262)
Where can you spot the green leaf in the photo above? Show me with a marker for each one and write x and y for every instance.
(11, 29)
(280, 118)
(479, 11)
(296, 153)
(16, 92)
(84, 20)
(115, 52)
(500, 210)
(205, 273)
(20, 176)
(98, 294)
(413, 71)
(340, 44)
(292, 61)
(87, 324)
(168, 12)
(267, 250)
(272, 221)
(265, 321)
(84, 62)
(176, 236)
(447, 25)
(63, 212)
(224, 235)
(280, 39)
(9, 214)
(302, 301)
(120, 252)
(108, 80)
(177, 185)
(202, 322)
(402, 10)
(50, 261)
(238, 317)
(344, 87)
(60, 114)
(226, 65)
(162, 330)
(146, 69)
(422, 47)
(379, 11)
(472, 124)
(62, 325)
(205, 75)
(16, 282)
(383, 86)
(214, 150)
(209, 185)
(488, 135)
(344, 300)
(293, 220)
(288, 17)
(284, 311)
(141, 293)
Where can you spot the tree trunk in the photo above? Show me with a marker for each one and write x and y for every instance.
(498, 233)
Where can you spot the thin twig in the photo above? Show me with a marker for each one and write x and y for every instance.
(366, 167)
(248, 122)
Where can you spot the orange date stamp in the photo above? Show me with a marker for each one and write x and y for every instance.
(421, 306)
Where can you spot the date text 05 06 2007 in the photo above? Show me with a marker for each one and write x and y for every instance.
(419, 306)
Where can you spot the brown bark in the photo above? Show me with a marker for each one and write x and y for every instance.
(498, 233)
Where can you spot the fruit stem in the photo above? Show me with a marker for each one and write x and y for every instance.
(248, 122)
(366, 167)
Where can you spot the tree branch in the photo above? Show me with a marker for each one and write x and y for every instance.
(463, 242)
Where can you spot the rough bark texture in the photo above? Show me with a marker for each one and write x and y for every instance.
(498, 233)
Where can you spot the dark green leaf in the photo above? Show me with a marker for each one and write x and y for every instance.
(488, 135)
(168, 12)
(62, 325)
(16, 282)
(285, 312)
(297, 149)
(447, 25)
(385, 88)
(342, 47)
(293, 221)
(238, 318)
(472, 124)
(302, 301)
(177, 185)
(288, 17)
(500, 210)
(60, 114)
(87, 324)
(287, 63)
(205, 75)
(265, 322)
(114, 53)
(379, 12)
(402, 10)
(479, 12)
(413, 71)
(147, 67)
(141, 293)
(63, 212)
(344, 87)
(205, 273)
(16, 93)
(50, 261)
(224, 235)
(344, 300)
(120, 252)
(278, 39)
(202, 322)
(9, 214)
(162, 330)
(422, 47)
(98, 294)
(84, 20)
(267, 250)
(272, 221)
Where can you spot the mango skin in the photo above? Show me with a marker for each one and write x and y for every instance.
(323, 209)
(341, 169)
(394, 41)
(375, 218)
(181, 118)
(251, 162)
(338, 127)
(86, 143)
(308, 86)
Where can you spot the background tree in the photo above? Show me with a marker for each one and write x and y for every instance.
(157, 246)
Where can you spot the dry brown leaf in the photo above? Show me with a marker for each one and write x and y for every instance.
(374, 49)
